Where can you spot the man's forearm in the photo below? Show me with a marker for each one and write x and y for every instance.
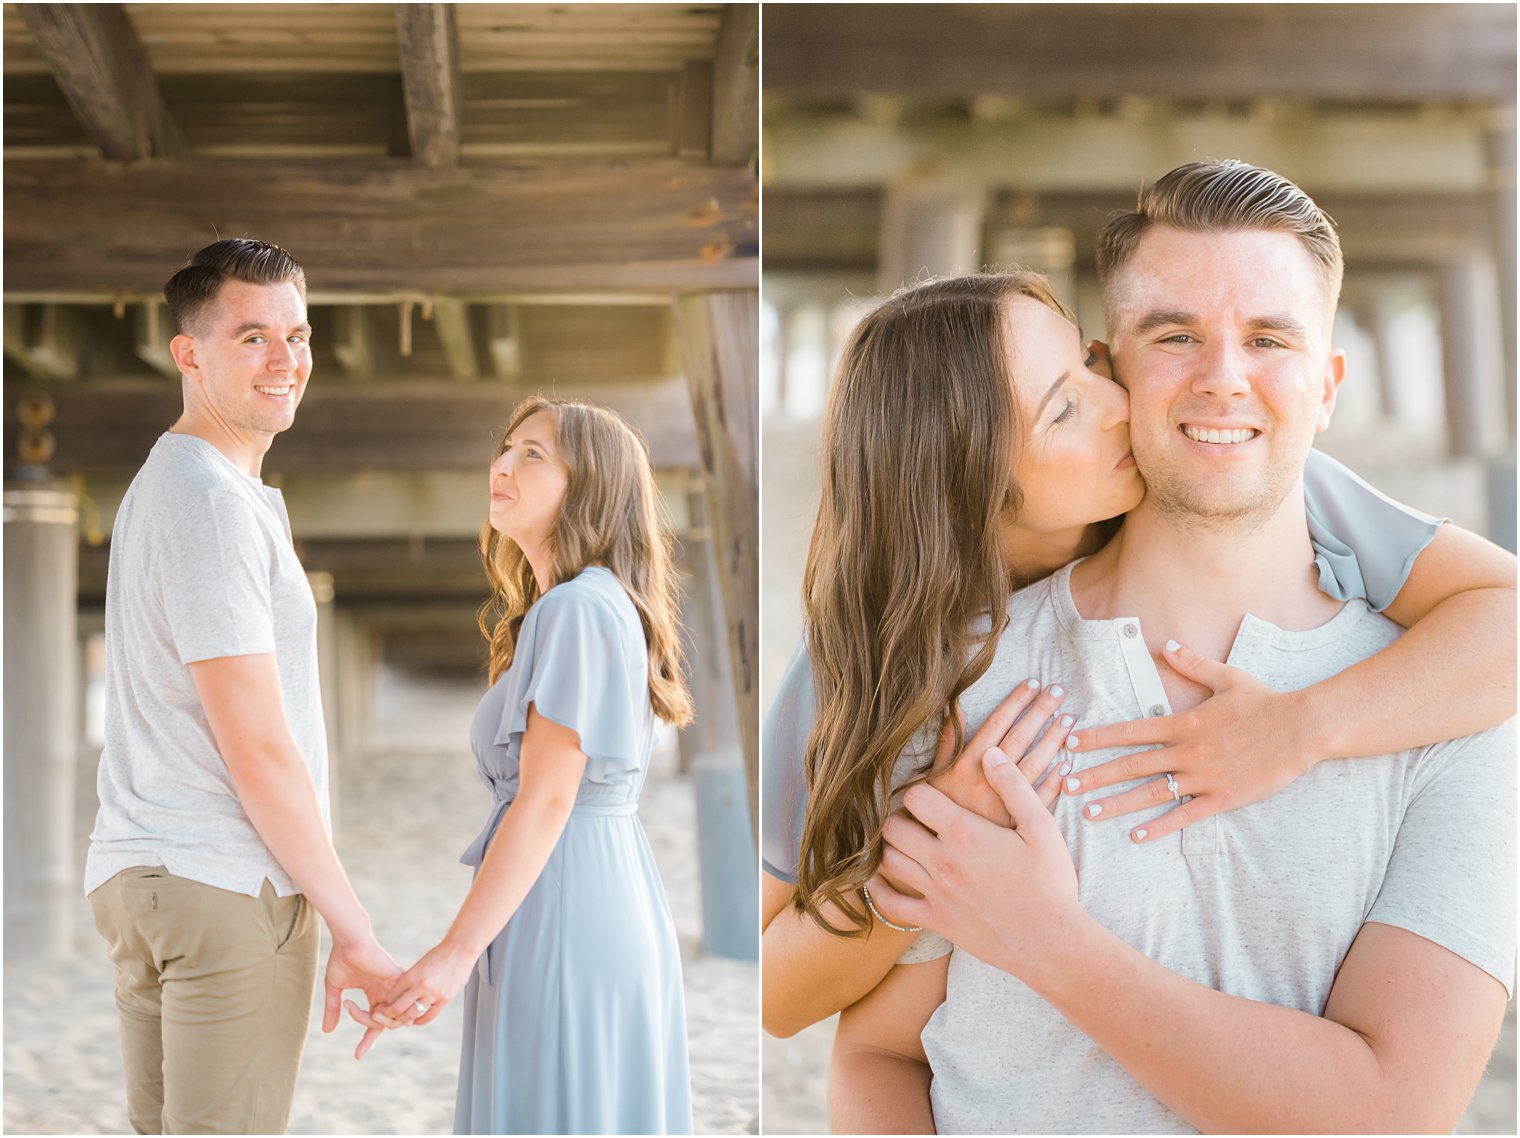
(275, 788)
(1227, 1064)
(876, 1092)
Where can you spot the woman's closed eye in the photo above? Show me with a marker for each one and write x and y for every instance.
(1071, 409)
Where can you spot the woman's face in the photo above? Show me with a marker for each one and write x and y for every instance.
(528, 481)
(1074, 465)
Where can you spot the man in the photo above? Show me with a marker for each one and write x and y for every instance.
(212, 845)
(1334, 958)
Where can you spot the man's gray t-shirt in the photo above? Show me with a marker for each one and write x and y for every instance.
(201, 567)
(1262, 902)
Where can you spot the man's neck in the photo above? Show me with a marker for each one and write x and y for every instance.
(1194, 585)
(244, 450)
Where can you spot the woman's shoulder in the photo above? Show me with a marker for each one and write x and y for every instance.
(593, 596)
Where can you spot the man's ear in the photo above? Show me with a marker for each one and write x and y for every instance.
(1335, 371)
(182, 348)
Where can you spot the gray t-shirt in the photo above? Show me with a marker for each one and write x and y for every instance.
(201, 567)
(1365, 543)
(1262, 902)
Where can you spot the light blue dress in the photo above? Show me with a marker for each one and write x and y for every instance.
(575, 1019)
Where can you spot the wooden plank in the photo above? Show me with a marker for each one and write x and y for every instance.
(43, 340)
(95, 55)
(1367, 53)
(152, 330)
(720, 341)
(693, 111)
(354, 341)
(736, 86)
(109, 425)
(504, 338)
(361, 226)
(429, 49)
(451, 320)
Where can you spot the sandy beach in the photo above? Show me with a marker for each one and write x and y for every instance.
(405, 812)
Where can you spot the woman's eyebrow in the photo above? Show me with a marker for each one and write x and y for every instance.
(1049, 395)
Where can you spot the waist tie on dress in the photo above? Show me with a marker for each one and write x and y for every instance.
(489, 965)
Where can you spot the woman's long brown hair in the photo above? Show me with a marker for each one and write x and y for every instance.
(917, 457)
(610, 517)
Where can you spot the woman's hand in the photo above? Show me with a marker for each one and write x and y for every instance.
(420, 994)
(1012, 728)
(1243, 744)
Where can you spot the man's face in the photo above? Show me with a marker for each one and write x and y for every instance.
(251, 354)
(1223, 342)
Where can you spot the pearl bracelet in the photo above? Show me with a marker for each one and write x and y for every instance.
(870, 904)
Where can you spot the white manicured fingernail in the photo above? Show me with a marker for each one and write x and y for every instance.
(1066, 769)
(1073, 742)
(1139, 835)
(1073, 784)
(1173, 646)
(1032, 685)
(1095, 809)
(1067, 720)
(1057, 691)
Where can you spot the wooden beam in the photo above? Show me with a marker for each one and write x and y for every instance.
(505, 339)
(736, 86)
(428, 43)
(693, 111)
(354, 341)
(99, 63)
(367, 226)
(1368, 53)
(720, 339)
(451, 320)
(151, 332)
(108, 425)
(43, 340)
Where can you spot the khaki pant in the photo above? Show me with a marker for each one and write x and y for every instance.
(214, 990)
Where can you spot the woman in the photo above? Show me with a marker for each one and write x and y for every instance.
(574, 1014)
(937, 398)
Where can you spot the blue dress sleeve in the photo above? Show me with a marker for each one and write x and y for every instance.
(575, 663)
(783, 785)
(1365, 543)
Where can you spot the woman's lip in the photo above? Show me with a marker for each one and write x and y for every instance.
(1125, 462)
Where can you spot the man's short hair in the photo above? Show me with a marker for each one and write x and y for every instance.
(195, 286)
(1215, 196)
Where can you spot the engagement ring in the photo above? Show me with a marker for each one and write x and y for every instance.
(1171, 784)
(420, 1006)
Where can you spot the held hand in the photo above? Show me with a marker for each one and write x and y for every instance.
(420, 995)
(1239, 746)
(361, 964)
(1012, 728)
(1007, 896)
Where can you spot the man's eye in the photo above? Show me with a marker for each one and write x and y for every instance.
(1092, 358)
(1179, 338)
(255, 339)
(1266, 342)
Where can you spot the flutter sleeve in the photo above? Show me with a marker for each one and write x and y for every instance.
(783, 785)
(576, 664)
(1365, 543)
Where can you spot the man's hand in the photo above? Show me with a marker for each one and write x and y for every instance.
(1007, 896)
(360, 963)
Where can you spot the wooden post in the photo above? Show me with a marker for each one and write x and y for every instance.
(719, 334)
(327, 679)
(42, 718)
(1471, 355)
(931, 225)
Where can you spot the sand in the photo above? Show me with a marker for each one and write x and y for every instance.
(404, 815)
